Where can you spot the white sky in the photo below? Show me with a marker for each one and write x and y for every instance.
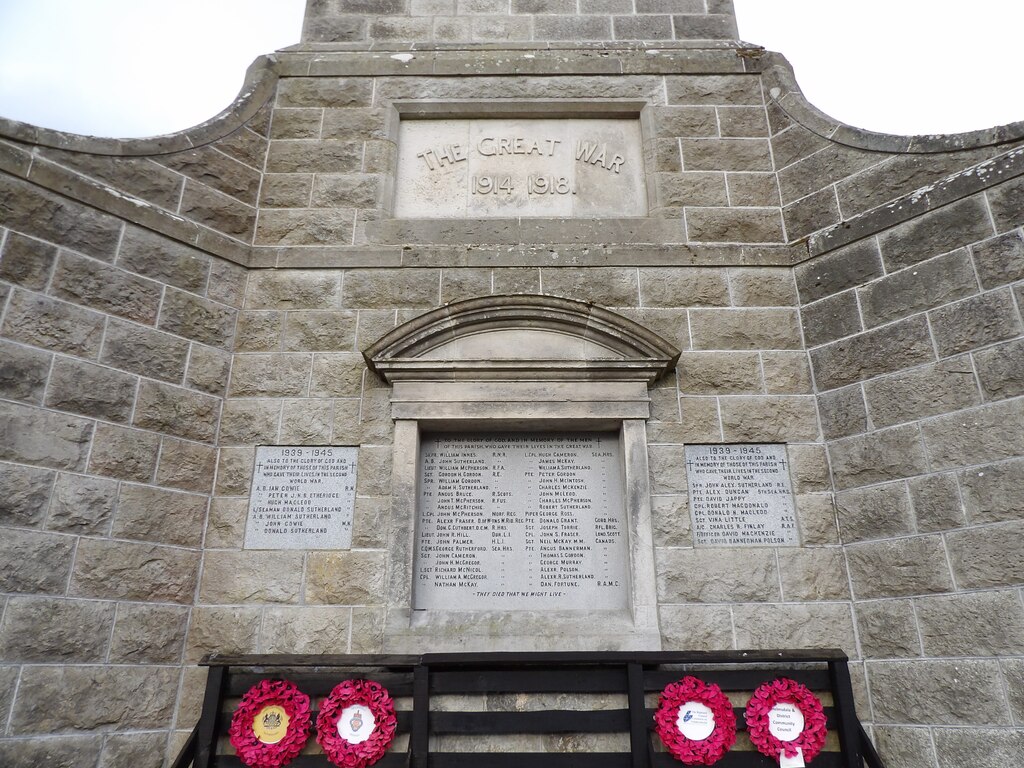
(146, 67)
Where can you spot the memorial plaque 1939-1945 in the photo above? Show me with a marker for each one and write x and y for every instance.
(521, 522)
(303, 497)
(740, 495)
(524, 167)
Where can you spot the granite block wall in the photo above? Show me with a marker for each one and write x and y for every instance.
(167, 306)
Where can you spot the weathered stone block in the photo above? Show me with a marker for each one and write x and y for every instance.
(826, 625)
(82, 504)
(160, 516)
(34, 436)
(926, 285)
(53, 752)
(714, 154)
(820, 170)
(963, 747)
(939, 231)
(975, 322)
(810, 214)
(948, 385)
(249, 422)
(792, 142)
(898, 568)
(55, 699)
(701, 90)
(270, 375)
(734, 225)
(54, 630)
(681, 288)
(671, 324)
(320, 331)
(23, 372)
(876, 457)
(999, 260)
(208, 369)
(876, 512)
(388, 288)
(773, 419)
(128, 454)
(667, 468)
(197, 318)
(887, 629)
(234, 471)
(846, 267)
(163, 259)
(994, 493)
(684, 121)
(91, 390)
(327, 91)
(51, 324)
(306, 422)
(337, 375)
(106, 288)
(938, 692)
(305, 630)
(286, 190)
(296, 123)
(24, 495)
(120, 570)
(936, 503)
(367, 630)
(326, 156)
(831, 318)
(719, 373)
(222, 630)
(217, 171)
(1001, 370)
(134, 750)
(981, 624)
(225, 526)
(671, 521)
(458, 284)
(1013, 673)
(227, 283)
(1006, 201)
(27, 262)
(148, 634)
(705, 26)
(809, 468)
(185, 465)
(607, 286)
(980, 435)
(883, 350)
(717, 575)
(817, 515)
(35, 562)
(373, 471)
(293, 289)
(813, 573)
(346, 578)
(760, 287)
(144, 351)
(843, 412)
(988, 556)
(239, 577)
(258, 331)
(697, 627)
(176, 411)
(745, 329)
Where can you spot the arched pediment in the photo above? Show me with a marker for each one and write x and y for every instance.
(521, 336)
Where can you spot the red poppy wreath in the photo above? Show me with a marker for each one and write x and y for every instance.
(786, 720)
(695, 721)
(356, 724)
(271, 725)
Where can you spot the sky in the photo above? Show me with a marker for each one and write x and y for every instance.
(147, 67)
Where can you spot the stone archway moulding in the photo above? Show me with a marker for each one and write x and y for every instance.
(520, 363)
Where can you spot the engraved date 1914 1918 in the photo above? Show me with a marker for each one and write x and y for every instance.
(535, 185)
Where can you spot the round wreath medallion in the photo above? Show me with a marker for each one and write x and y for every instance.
(356, 723)
(785, 718)
(695, 721)
(271, 725)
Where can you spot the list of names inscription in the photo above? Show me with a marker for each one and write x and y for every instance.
(303, 497)
(518, 521)
(740, 495)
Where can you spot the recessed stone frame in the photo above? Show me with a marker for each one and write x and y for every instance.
(402, 231)
(520, 363)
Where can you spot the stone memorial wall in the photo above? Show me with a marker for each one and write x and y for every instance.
(847, 307)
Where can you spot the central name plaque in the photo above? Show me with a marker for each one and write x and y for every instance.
(521, 522)
(520, 168)
(740, 495)
(303, 497)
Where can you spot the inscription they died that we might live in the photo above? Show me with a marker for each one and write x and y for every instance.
(521, 522)
(740, 495)
(524, 167)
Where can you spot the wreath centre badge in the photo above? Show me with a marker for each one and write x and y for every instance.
(696, 721)
(271, 724)
(356, 724)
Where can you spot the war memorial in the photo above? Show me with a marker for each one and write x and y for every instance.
(488, 346)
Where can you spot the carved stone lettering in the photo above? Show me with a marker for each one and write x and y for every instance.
(520, 167)
(740, 496)
(302, 498)
(521, 522)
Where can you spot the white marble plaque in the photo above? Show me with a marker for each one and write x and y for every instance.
(741, 496)
(521, 522)
(302, 497)
(520, 168)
